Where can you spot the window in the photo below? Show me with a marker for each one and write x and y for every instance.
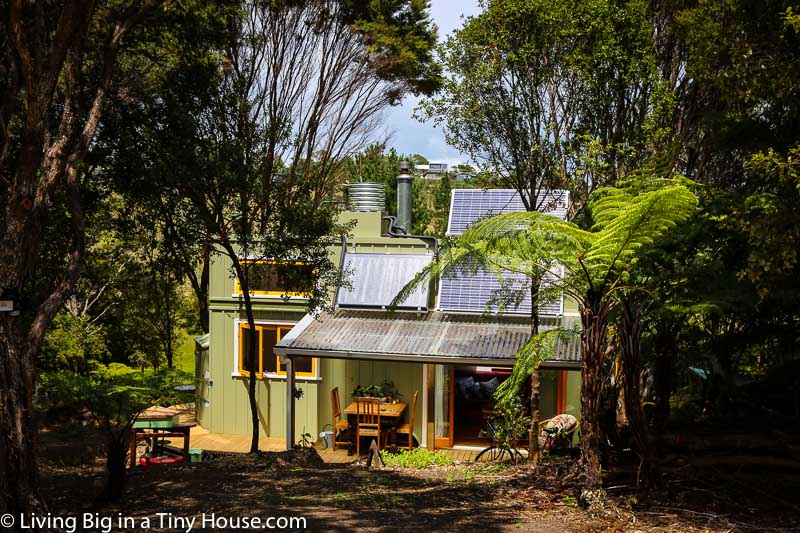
(266, 337)
(272, 278)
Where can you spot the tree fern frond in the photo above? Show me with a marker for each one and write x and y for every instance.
(539, 348)
(646, 217)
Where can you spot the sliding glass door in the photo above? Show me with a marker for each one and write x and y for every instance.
(443, 405)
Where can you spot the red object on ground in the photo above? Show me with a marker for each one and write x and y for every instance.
(160, 460)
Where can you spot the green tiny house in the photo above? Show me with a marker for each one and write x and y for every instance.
(360, 344)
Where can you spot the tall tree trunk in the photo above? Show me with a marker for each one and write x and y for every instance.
(630, 330)
(252, 353)
(200, 284)
(202, 290)
(665, 346)
(18, 481)
(116, 454)
(534, 452)
(48, 161)
(20, 344)
(594, 340)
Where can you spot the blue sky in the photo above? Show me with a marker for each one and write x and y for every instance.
(409, 136)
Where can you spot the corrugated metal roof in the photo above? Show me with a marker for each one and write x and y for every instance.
(420, 337)
(203, 341)
(377, 278)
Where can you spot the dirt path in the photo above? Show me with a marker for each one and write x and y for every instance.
(461, 497)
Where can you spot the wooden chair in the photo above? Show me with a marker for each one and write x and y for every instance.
(338, 421)
(409, 428)
(368, 421)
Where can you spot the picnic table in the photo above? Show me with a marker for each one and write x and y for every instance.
(158, 423)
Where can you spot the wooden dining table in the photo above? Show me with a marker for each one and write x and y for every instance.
(390, 411)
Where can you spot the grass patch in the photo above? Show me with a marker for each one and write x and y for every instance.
(416, 458)
(184, 352)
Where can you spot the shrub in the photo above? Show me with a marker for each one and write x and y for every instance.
(416, 458)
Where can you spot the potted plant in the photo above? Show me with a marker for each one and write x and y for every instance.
(370, 391)
(389, 391)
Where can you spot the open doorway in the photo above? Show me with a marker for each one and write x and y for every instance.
(472, 396)
(473, 402)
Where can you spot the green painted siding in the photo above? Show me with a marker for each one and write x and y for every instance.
(570, 306)
(573, 406)
(547, 394)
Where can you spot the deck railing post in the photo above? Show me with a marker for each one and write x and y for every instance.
(289, 403)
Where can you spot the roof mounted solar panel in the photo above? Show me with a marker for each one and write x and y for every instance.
(377, 278)
(482, 292)
(467, 206)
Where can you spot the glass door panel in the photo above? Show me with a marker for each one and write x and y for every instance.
(443, 406)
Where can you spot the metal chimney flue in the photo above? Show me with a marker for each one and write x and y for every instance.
(404, 196)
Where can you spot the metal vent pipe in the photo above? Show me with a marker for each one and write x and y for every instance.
(404, 195)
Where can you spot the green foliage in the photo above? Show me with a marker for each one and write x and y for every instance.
(112, 394)
(511, 424)
(130, 304)
(538, 90)
(368, 391)
(771, 221)
(415, 458)
(400, 37)
(74, 344)
(375, 164)
(305, 439)
(539, 348)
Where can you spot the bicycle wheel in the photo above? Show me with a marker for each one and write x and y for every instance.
(516, 455)
(492, 453)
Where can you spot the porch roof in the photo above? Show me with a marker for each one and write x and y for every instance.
(432, 337)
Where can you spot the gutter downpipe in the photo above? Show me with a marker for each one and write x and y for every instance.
(398, 232)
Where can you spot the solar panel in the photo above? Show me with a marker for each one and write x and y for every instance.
(481, 291)
(470, 205)
(377, 278)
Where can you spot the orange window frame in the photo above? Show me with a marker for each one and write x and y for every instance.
(279, 331)
(238, 288)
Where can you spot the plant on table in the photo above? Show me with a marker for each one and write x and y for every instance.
(389, 391)
(370, 391)
(384, 390)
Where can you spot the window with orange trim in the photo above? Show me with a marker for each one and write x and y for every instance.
(273, 278)
(266, 336)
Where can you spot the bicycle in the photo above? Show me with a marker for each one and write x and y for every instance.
(498, 450)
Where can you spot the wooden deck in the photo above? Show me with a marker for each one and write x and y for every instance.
(217, 442)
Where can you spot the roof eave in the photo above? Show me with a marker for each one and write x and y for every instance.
(413, 358)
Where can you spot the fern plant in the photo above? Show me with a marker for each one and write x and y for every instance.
(591, 266)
